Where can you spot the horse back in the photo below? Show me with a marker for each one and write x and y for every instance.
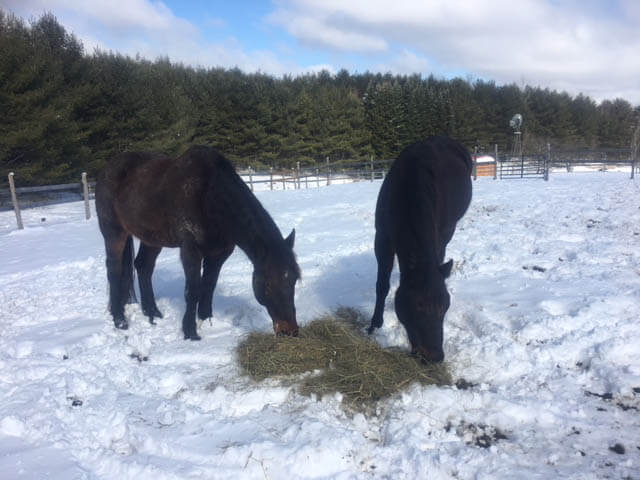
(427, 190)
(164, 200)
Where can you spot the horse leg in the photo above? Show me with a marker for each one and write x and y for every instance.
(127, 292)
(211, 269)
(192, 263)
(384, 256)
(445, 237)
(115, 243)
(145, 263)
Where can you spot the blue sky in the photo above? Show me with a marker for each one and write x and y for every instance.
(586, 46)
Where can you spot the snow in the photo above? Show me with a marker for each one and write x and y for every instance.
(543, 328)
(485, 159)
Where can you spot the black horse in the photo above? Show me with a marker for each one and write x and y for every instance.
(198, 203)
(427, 190)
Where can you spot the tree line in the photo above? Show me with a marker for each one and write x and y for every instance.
(63, 111)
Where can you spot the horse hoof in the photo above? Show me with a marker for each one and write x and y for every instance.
(192, 336)
(286, 333)
(152, 321)
(121, 324)
(152, 313)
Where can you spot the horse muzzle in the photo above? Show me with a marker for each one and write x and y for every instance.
(283, 328)
(428, 355)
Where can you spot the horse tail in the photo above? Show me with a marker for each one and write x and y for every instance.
(127, 278)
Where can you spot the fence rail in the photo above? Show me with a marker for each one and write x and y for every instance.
(501, 166)
(327, 174)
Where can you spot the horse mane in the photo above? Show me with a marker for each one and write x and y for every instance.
(416, 196)
(253, 229)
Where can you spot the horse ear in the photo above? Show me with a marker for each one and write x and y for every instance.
(445, 268)
(290, 240)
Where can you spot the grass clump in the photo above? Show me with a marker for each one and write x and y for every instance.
(341, 357)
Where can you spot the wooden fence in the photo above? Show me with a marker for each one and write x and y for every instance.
(29, 197)
(327, 174)
(20, 198)
(310, 177)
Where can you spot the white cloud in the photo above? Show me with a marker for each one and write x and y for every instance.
(150, 28)
(406, 62)
(579, 46)
(574, 45)
(123, 15)
(321, 31)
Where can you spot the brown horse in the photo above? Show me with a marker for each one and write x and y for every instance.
(426, 192)
(198, 203)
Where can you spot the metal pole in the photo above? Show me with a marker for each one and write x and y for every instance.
(14, 199)
(372, 168)
(328, 173)
(475, 163)
(271, 178)
(495, 165)
(85, 191)
(547, 163)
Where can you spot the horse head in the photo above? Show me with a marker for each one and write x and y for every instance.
(274, 285)
(421, 306)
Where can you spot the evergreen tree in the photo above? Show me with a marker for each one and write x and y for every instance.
(65, 111)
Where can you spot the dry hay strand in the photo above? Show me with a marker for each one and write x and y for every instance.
(337, 356)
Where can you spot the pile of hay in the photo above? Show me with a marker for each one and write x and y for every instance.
(340, 357)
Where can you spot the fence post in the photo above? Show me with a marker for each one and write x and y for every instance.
(85, 192)
(298, 173)
(317, 178)
(328, 173)
(495, 165)
(250, 180)
(372, 175)
(635, 147)
(271, 178)
(284, 183)
(14, 199)
(547, 163)
(475, 163)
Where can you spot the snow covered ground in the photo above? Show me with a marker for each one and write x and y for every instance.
(544, 328)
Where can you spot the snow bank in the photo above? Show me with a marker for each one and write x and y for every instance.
(543, 329)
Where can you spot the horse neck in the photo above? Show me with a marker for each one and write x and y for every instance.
(417, 271)
(417, 240)
(253, 229)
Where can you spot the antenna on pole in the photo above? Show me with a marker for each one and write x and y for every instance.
(516, 124)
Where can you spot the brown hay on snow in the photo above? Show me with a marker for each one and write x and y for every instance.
(348, 360)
